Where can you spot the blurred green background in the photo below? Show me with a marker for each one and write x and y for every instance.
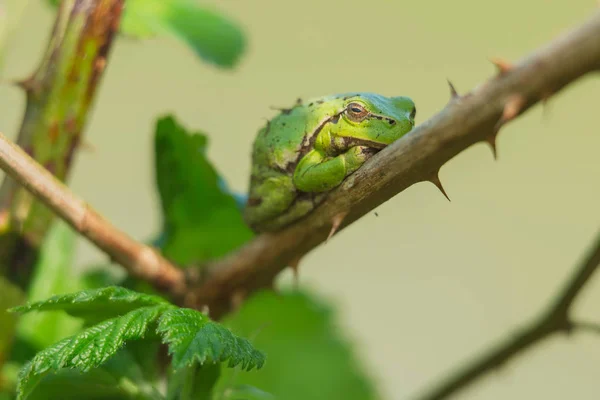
(428, 284)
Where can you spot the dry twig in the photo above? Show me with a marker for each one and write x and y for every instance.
(555, 320)
(138, 259)
(467, 119)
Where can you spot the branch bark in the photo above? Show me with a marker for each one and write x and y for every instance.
(468, 119)
(418, 156)
(139, 260)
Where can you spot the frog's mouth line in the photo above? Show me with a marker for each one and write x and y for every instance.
(350, 142)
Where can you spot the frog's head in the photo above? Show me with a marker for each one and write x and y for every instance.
(373, 120)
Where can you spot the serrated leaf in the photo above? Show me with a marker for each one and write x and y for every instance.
(95, 304)
(298, 332)
(97, 384)
(89, 348)
(201, 220)
(53, 276)
(194, 338)
(213, 37)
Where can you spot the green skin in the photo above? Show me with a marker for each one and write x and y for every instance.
(307, 150)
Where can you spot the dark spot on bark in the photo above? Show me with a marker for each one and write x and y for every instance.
(391, 121)
(71, 126)
(320, 101)
(377, 215)
(53, 132)
(71, 151)
(50, 166)
(310, 104)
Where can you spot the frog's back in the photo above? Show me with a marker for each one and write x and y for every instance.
(279, 143)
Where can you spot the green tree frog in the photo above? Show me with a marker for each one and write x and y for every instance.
(309, 149)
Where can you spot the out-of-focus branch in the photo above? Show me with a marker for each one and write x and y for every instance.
(474, 117)
(555, 320)
(139, 260)
(59, 98)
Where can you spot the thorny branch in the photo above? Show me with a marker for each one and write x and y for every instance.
(555, 320)
(139, 260)
(474, 117)
(467, 119)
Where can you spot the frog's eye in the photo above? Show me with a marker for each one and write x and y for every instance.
(356, 112)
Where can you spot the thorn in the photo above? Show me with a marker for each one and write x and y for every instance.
(491, 140)
(237, 298)
(503, 66)
(453, 93)
(27, 84)
(335, 224)
(87, 146)
(294, 264)
(512, 108)
(436, 181)
(545, 98)
(190, 300)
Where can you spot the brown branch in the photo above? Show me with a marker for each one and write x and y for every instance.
(418, 156)
(554, 321)
(139, 260)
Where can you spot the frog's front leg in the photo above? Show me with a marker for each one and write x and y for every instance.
(316, 172)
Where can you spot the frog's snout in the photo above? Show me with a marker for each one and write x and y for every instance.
(407, 105)
(413, 114)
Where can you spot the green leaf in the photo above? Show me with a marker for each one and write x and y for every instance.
(194, 338)
(53, 276)
(212, 36)
(97, 384)
(246, 392)
(89, 348)
(201, 220)
(195, 382)
(309, 358)
(95, 304)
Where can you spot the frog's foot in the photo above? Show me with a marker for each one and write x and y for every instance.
(267, 200)
(302, 205)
